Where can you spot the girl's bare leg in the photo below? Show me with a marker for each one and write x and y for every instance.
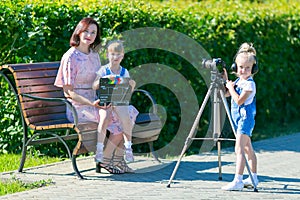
(240, 145)
(252, 160)
(251, 157)
(123, 114)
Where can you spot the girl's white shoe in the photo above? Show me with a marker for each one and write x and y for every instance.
(99, 156)
(234, 186)
(247, 182)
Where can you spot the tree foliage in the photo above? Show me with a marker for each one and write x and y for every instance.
(37, 31)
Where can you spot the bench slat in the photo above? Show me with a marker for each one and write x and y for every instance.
(87, 126)
(33, 66)
(51, 126)
(32, 82)
(53, 139)
(45, 117)
(39, 89)
(36, 111)
(53, 94)
(151, 126)
(146, 118)
(41, 104)
(136, 140)
(32, 74)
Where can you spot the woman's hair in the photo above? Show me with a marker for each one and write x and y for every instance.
(81, 27)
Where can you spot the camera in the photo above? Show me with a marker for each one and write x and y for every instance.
(214, 64)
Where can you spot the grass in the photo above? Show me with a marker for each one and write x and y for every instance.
(14, 185)
(10, 162)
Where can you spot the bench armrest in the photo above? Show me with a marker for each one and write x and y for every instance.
(64, 100)
(150, 97)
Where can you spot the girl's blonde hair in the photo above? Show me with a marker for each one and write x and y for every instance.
(116, 46)
(247, 49)
(248, 52)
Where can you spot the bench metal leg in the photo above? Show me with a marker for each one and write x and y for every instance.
(22, 162)
(24, 148)
(155, 156)
(27, 143)
(75, 167)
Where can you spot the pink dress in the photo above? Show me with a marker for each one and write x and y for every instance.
(79, 70)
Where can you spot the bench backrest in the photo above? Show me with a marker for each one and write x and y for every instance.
(37, 79)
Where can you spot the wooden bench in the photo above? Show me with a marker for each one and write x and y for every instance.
(43, 109)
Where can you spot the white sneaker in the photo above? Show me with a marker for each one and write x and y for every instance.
(247, 182)
(234, 186)
(99, 156)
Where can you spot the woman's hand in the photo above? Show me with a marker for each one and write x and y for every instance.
(97, 105)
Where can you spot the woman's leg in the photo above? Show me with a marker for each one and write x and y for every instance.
(103, 123)
(119, 152)
(119, 158)
(110, 147)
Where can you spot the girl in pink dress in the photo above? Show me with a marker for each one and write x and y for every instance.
(122, 117)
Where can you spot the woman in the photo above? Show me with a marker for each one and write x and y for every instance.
(76, 75)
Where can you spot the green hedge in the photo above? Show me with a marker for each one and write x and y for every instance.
(38, 31)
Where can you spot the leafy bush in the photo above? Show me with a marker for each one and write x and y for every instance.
(35, 31)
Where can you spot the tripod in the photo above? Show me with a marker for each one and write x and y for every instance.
(215, 90)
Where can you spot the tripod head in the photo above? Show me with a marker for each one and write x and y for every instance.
(216, 66)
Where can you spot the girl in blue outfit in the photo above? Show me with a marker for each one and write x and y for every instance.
(243, 110)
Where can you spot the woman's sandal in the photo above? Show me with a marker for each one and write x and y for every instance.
(122, 165)
(109, 166)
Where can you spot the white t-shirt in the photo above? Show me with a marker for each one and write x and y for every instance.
(103, 72)
(247, 85)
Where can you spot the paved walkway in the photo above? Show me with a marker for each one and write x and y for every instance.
(196, 178)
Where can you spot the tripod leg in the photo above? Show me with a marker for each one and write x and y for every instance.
(191, 134)
(219, 160)
(187, 142)
(233, 129)
(217, 126)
